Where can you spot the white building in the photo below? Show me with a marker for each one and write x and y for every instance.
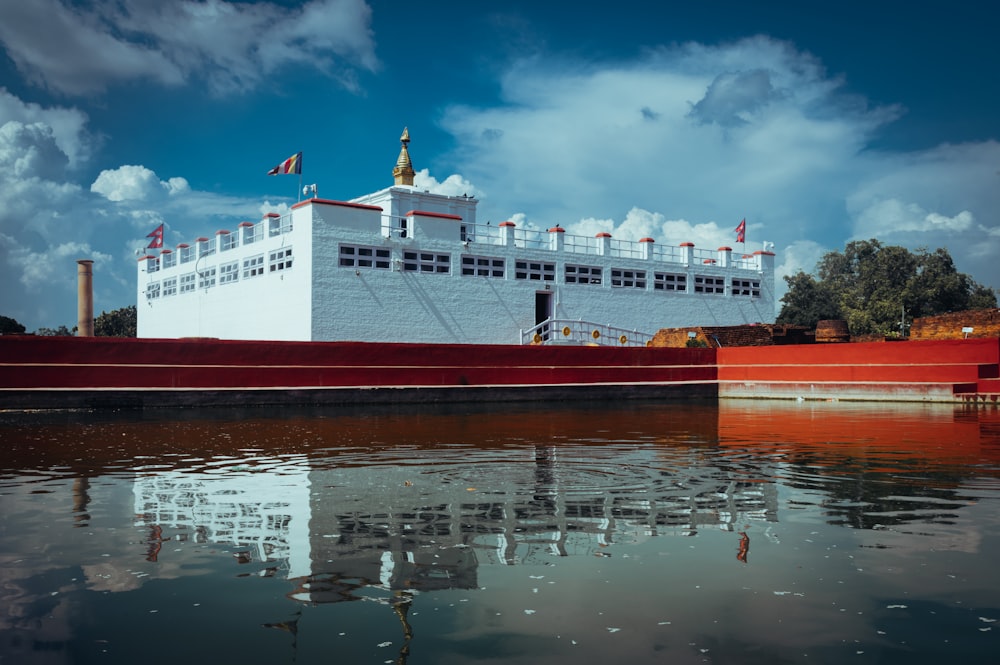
(402, 265)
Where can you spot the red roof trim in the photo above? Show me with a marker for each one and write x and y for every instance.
(507, 224)
(763, 253)
(725, 249)
(272, 214)
(646, 240)
(166, 251)
(687, 244)
(424, 213)
(202, 239)
(557, 229)
(183, 244)
(603, 234)
(222, 232)
(331, 202)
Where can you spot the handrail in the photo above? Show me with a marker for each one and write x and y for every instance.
(579, 332)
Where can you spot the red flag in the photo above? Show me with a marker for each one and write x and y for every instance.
(291, 165)
(741, 231)
(157, 238)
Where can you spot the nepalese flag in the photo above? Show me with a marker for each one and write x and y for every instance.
(741, 231)
(157, 238)
(291, 165)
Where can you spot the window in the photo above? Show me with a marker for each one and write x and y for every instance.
(253, 266)
(187, 283)
(227, 241)
(252, 233)
(363, 256)
(279, 225)
(483, 266)
(206, 278)
(169, 260)
(206, 247)
(152, 265)
(746, 287)
(666, 281)
(703, 284)
(583, 274)
(279, 260)
(229, 272)
(170, 287)
(152, 290)
(634, 279)
(465, 235)
(187, 253)
(426, 262)
(537, 271)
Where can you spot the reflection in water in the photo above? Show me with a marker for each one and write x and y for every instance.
(520, 534)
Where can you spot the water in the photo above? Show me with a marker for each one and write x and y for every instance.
(651, 533)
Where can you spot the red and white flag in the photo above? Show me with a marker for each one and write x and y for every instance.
(741, 231)
(157, 238)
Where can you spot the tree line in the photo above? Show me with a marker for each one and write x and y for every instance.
(878, 289)
(116, 323)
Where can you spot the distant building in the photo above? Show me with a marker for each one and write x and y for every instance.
(404, 265)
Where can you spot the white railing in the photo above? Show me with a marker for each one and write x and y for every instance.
(579, 332)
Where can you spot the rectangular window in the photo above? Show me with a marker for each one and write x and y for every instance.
(631, 279)
(152, 290)
(666, 281)
(169, 260)
(426, 262)
(465, 235)
(703, 284)
(583, 274)
(746, 287)
(252, 234)
(483, 266)
(152, 265)
(170, 287)
(279, 225)
(206, 247)
(229, 272)
(187, 253)
(537, 271)
(206, 278)
(364, 256)
(187, 283)
(253, 266)
(279, 260)
(227, 241)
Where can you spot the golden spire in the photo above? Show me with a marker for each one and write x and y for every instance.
(403, 173)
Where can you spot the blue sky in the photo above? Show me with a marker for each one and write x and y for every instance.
(817, 122)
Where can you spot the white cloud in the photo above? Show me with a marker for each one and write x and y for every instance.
(128, 183)
(47, 221)
(686, 141)
(66, 125)
(77, 50)
(453, 185)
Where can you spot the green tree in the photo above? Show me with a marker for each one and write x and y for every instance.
(9, 326)
(877, 287)
(807, 301)
(61, 331)
(117, 323)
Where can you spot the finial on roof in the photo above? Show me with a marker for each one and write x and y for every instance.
(403, 173)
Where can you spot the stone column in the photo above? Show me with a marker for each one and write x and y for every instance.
(84, 298)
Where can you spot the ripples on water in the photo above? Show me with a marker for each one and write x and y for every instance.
(743, 533)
